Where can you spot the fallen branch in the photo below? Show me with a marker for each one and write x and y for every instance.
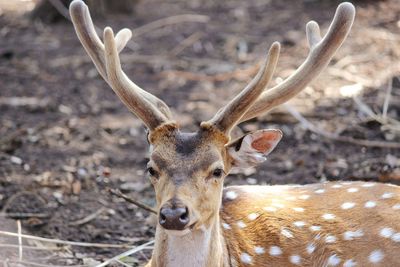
(309, 126)
(119, 194)
(126, 253)
(22, 215)
(169, 21)
(240, 75)
(63, 242)
(31, 263)
(88, 218)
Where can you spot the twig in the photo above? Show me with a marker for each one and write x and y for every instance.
(19, 240)
(193, 38)
(30, 247)
(387, 100)
(308, 125)
(88, 218)
(30, 263)
(126, 253)
(118, 193)
(169, 21)
(71, 243)
(377, 117)
(21, 215)
(123, 263)
(59, 6)
(240, 74)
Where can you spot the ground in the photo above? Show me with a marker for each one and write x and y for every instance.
(65, 138)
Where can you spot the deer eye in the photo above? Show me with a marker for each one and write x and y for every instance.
(217, 173)
(151, 171)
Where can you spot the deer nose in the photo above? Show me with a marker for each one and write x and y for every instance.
(174, 218)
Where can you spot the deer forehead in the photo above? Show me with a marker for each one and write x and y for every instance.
(180, 155)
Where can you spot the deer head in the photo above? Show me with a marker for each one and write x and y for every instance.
(187, 170)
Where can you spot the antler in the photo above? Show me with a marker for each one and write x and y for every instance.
(150, 109)
(321, 53)
(227, 117)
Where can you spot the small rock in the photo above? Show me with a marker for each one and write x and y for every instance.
(76, 187)
(58, 195)
(251, 181)
(27, 167)
(16, 160)
(82, 172)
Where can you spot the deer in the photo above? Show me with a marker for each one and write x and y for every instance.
(201, 223)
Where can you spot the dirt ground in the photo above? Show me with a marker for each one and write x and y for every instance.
(65, 138)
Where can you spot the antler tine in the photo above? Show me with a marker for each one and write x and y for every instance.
(96, 50)
(321, 52)
(122, 86)
(227, 117)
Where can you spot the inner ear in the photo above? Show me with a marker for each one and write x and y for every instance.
(252, 148)
(265, 141)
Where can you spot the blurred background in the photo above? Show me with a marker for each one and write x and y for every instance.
(65, 138)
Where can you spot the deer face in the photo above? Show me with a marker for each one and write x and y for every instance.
(187, 171)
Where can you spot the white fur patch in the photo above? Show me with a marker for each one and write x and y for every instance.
(376, 256)
(188, 250)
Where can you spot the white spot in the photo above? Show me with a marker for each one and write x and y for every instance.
(387, 195)
(291, 198)
(275, 251)
(299, 224)
(348, 205)
(295, 259)
(368, 185)
(226, 226)
(328, 216)
(350, 263)
(376, 256)
(315, 228)
(246, 258)
(333, 260)
(259, 250)
(319, 191)
(287, 233)
(231, 195)
(271, 209)
(298, 209)
(278, 205)
(352, 190)
(304, 197)
(253, 216)
(330, 239)
(350, 235)
(310, 248)
(337, 186)
(241, 224)
(386, 232)
(370, 204)
(347, 183)
(396, 207)
(396, 237)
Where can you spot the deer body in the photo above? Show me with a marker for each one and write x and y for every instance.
(202, 224)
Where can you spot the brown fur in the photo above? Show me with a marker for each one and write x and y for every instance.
(265, 230)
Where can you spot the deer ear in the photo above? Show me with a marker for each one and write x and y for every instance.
(252, 148)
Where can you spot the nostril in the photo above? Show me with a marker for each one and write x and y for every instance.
(184, 218)
(162, 219)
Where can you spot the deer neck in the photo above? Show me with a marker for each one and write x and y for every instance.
(199, 248)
